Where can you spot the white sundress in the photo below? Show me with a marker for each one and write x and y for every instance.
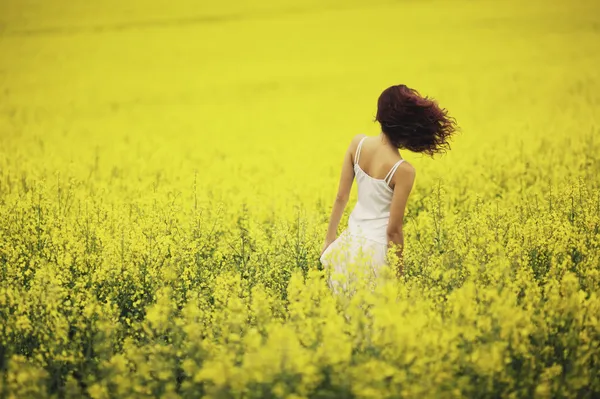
(363, 244)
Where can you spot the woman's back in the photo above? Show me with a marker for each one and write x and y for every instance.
(371, 213)
(375, 157)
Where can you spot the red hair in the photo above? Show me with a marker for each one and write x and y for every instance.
(414, 122)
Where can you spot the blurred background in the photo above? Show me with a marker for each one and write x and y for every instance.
(235, 89)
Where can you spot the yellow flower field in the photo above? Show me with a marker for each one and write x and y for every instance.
(167, 169)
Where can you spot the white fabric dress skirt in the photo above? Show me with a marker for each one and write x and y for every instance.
(352, 258)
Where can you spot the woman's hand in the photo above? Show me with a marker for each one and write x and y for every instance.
(395, 258)
(326, 244)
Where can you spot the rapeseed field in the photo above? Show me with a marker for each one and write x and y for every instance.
(167, 169)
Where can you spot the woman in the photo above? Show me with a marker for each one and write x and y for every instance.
(408, 121)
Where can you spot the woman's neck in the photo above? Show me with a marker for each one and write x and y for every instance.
(386, 141)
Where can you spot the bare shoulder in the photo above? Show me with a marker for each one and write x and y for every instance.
(354, 144)
(356, 139)
(405, 174)
(407, 169)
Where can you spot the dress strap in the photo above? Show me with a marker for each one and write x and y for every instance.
(388, 178)
(357, 156)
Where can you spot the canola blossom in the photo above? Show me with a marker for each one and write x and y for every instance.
(167, 171)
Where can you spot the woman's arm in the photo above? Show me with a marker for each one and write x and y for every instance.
(343, 193)
(403, 180)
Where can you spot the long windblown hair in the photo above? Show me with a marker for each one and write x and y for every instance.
(414, 122)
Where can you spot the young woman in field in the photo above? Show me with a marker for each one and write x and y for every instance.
(408, 121)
